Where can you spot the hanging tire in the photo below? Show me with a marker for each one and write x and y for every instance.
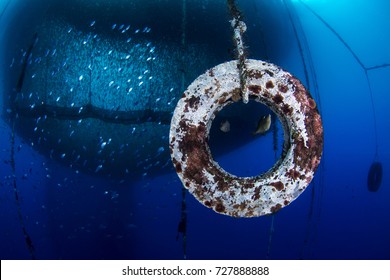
(246, 196)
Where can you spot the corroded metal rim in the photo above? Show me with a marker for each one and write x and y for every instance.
(246, 196)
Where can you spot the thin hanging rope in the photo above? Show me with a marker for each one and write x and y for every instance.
(316, 197)
(300, 48)
(384, 65)
(13, 117)
(364, 67)
(27, 237)
(239, 27)
(275, 146)
(271, 232)
(5, 8)
(304, 47)
(335, 33)
(182, 228)
(374, 114)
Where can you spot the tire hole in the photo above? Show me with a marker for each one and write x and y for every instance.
(233, 144)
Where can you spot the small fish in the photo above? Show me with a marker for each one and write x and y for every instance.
(225, 126)
(263, 125)
(98, 168)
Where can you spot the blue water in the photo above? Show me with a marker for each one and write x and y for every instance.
(71, 213)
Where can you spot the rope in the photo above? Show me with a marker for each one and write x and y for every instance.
(239, 27)
(304, 48)
(311, 81)
(374, 114)
(13, 116)
(364, 67)
(27, 237)
(300, 47)
(182, 228)
(5, 8)
(275, 146)
(271, 232)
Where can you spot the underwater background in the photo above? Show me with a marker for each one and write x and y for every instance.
(88, 89)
